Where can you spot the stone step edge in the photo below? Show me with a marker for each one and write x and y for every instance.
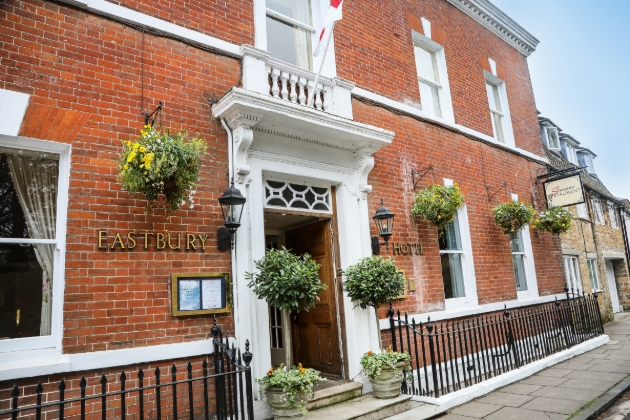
(326, 397)
(401, 401)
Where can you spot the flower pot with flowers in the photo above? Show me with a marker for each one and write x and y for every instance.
(162, 166)
(385, 371)
(437, 204)
(511, 217)
(288, 390)
(556, 220)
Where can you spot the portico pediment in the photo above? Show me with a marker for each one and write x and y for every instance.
(271, 125)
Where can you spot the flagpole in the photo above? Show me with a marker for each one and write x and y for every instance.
(311, 92)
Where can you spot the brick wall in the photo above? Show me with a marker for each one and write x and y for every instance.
(85, 77)
(374, 48)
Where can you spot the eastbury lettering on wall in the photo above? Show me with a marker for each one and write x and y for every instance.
(156, 240)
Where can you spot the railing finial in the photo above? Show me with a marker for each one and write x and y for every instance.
(247, 355)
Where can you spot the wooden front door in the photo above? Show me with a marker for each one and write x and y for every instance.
(315, 336)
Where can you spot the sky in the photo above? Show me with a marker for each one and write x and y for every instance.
(581, 75)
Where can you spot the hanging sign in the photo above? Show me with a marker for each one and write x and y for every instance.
(564, 192)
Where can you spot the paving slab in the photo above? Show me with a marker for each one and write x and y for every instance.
(598, 375)
(544, 380)
(519, 388)
(511, 413)
(609, 368)
(567, 393)
(505, 399)
(554, 405)
(557, 373)
(556, 416)
(476, 409)
(455, 417)
(419, 412)
(591, 384)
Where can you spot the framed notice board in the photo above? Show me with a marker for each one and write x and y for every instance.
(200, 293)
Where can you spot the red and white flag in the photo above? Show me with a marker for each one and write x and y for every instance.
(333, 15)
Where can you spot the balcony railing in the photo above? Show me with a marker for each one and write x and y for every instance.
(451, 355)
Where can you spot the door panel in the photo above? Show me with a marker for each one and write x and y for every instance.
(612, 287)
(315, 333)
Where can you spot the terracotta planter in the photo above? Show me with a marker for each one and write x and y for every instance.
(387, 383)
(280, 407)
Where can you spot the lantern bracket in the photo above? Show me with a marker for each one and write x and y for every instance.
(421, 174)
(226, 241)
(376, 245)
(149, 118)
(496, 190)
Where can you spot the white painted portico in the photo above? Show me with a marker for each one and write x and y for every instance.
(277, 137)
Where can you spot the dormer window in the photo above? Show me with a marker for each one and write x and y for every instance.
(586, 159)
(570, 154)
(290, 31)
(553, 138)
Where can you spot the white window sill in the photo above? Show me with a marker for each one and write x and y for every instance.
(475, 310)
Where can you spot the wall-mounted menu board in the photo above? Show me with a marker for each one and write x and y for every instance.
(200, 293)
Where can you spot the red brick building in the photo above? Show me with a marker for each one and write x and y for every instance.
(438, 87)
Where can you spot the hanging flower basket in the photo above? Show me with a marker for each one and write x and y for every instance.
(512, 216)
(555, 220)
(162, 166)
(438, 204)
(285, 280)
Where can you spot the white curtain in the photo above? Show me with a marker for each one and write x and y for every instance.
(302, 13)
(35, 181)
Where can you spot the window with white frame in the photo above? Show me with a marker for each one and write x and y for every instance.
(571, 156)
(496, 111)
(572, 273)
(553, 138)
(29, 242)
(519, 260)
(588, 163)
(591, 263)
(582, 211)
(429, 80)
(452, 256)
(612, 215)
(597, 210)
(290, 31)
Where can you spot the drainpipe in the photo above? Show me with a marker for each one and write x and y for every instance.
(624, 229)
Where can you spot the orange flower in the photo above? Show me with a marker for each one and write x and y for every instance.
(300, 365)
(389, 349)
(270, 372)
(369, 353)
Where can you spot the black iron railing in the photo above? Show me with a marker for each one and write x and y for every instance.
(224, 394)
(451, 355)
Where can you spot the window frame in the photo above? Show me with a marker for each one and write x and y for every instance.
(50, 343)
(582, 214)
(598, 211)
(593, 262)
(612, 215)
(468, 265)
(504, 113)
(443, 85)
(529, 264)
(576, 266)
(555, 130)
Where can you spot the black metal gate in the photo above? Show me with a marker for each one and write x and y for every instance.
(224, 394)
(451, 355)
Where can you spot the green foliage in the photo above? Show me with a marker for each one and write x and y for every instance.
(512, 216)
(373, 281)
(292, 381)
(373, 362)
(555, 220)
(437, 204)
(287, 281)
(161, 163)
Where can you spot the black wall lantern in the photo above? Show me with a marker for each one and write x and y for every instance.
(232, 203)
(384, 219)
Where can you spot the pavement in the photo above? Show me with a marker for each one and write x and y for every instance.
(581, 388)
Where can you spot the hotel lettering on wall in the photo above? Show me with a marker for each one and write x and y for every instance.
(407, 248)
(156, 240)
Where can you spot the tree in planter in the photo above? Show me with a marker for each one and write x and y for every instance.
(437, 204)
(287, 281)
(372, 282)
(555, 220)
(513, 216)
(162, 165)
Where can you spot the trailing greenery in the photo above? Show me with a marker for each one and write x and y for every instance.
(287, 281)
(293, 382)
(373, 362)
(437, 204)
(555, 220)
(512, 216)
(162, 164)
(373, 281)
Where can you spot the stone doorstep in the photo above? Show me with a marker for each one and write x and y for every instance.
(334, 395)
(365, 407)
(420, 412)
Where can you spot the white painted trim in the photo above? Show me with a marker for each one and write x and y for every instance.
(131, 16)
(426, 27)
(488, 15)
(476, 310)
(493, 66)
(12, 109)
(460, 397)
(20, 348)
(362, 93)
(506, 118)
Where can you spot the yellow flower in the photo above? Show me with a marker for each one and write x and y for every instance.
(147, 165)
(146, 179)
(132, 155)
(147, 126)
(127, 143)
(136, 146)
(126, 166)
(142, 149)
(130, 158)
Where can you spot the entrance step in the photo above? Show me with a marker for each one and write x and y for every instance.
(334, 395)
(365, 407)
(420, 411)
